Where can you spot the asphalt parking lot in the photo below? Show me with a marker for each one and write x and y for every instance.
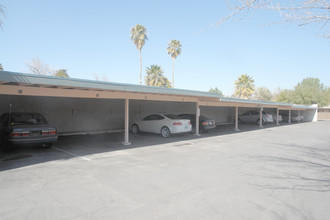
(278, 172)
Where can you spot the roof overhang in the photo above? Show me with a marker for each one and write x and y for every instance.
(12, 83)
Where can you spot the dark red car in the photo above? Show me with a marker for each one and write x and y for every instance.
(22, 128)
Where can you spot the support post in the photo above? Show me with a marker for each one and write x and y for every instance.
(126, 142)
(289, 116)
(299, 116)
(236, 118)
(260, 119)
(277, 115)
(198, 112)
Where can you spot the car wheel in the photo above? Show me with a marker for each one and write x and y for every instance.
(49, 145)
(165, 132)
(258, 121)
(135, 129)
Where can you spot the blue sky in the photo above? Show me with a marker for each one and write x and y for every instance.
(93, 37)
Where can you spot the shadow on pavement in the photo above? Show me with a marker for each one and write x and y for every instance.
(79, 146)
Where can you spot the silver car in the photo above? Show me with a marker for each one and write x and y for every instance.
(253, 116)
(275, 117)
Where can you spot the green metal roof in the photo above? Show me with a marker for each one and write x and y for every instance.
(251, 101)
(15, 77)
(33, 79)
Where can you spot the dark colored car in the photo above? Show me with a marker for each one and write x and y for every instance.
(294, 118)
(204, 123)
(21, 128)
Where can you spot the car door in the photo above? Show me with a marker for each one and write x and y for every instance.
(151, 123)
(255, 116)
(246, 117)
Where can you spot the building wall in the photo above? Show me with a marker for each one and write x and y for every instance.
(310, 115)
(70, 114)
(141, 108)
(219, 114)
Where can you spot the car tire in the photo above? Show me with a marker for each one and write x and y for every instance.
(49, 145)
(165, 132)
(135, 129)
(258, 121)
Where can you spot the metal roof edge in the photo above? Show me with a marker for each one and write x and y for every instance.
(61, 81)
(8, 76)
(298, 106)
(251, 101)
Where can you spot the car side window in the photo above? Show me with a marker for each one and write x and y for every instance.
(148, 118)
(153, 117)
(255, 113)
(158, 117)
(4, 119)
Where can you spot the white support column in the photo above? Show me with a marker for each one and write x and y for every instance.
(260, 119)
(277, 115)
(289, 116)
(236, 118)
(315, 113)
(126, 142)
(198, 112)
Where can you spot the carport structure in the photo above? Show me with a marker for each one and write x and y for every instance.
(64, 91)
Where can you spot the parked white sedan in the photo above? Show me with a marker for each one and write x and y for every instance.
(164, 124)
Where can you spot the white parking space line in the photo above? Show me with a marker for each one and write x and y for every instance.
(72, 154)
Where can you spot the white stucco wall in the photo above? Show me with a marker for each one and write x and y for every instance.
(139, 109)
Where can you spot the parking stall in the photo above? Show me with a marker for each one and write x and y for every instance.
(86, 106)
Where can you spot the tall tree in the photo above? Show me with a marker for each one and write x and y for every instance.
(2, 14)
(139, 37)
(61, 73)
(155, 77)
(174, 49)
(301, 12)
(1, 68)
(36, 66)
(216, 90)
(244, 87)
(310, 91)
(263, 93)
(285, 96)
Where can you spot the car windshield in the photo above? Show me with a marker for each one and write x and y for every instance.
(203, 118)
(27, 119)
(171, 116)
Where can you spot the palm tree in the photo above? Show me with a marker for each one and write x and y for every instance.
(139, 37)
(155, 77)
(174, 49)
(244, 86)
